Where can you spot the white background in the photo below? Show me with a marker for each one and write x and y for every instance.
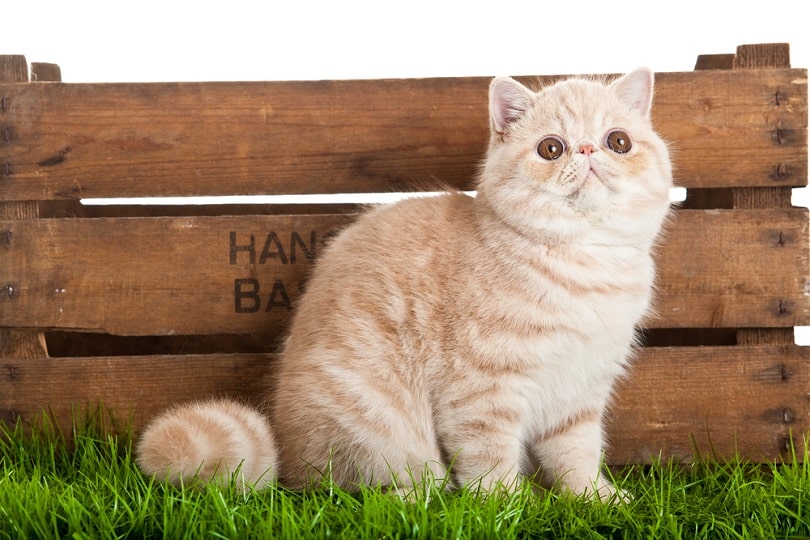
(147, 40)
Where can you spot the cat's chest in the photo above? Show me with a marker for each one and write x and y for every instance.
(549, 307)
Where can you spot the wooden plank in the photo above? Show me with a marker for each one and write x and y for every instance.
(44, 72)
(711, 129)
(774, 55)
(714, 61)
(13, 69)
(70, 141)
(242, 274)
(734, 268)
(762, 55)
(725, 399)
(131, 387)
(712, 400)
(15, 343)
(159, 276)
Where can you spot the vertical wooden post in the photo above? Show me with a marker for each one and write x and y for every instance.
(17, 343)
(763, 56)
(771, 55)
(43, 72)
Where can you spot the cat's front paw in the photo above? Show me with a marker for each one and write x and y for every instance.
(601, 490)
(608, 493)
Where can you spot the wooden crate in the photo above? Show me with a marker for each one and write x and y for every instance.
(137, 307)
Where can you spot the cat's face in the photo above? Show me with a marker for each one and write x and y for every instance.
(577, 153)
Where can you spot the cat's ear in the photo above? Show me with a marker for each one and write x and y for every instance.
(508, 102)
(636, 90)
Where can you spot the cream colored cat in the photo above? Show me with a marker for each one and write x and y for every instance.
(480, 337)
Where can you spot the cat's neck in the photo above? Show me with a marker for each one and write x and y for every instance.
(555, 232)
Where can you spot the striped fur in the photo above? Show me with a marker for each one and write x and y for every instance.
(484, 332)
(216, 441)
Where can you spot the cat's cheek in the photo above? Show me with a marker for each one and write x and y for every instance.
(645, 162)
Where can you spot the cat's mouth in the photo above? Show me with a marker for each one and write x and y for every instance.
(587, 183)
(594, 174)
(592, 189)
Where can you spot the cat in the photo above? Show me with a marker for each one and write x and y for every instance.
(477, 340)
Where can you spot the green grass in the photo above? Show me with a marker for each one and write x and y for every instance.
(94, 490)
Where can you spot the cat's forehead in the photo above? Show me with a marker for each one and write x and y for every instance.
(577, 103)
(575, 89)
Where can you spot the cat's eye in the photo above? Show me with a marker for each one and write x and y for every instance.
(619, 141)
(551, 148)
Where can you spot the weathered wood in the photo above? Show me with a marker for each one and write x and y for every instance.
(13, 69)
(714, 61)
(22, 343)
(70, 141)
(772, 56)
(724, 399)
(767, 56)
(44, 72)
(762, 55)
(731, 268)
(749, 57)
(159, 276)
(15, 343)
(765, 336)
(133, 387)
(241, 274)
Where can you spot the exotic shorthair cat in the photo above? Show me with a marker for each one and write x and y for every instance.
(484, 347)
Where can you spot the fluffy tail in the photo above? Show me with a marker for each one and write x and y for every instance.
(210, 440)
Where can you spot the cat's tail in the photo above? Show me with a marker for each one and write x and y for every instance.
(210, 441)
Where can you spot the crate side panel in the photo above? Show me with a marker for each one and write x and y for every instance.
(69, 141)
(243, 274)
(678, 401)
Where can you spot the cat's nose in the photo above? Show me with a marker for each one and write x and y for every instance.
(586, 148)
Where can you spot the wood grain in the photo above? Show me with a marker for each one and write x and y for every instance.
(159, 276)
(242, 274)
(768, 55)
(131, 387)
(15, 343)
(70, 141)
(721, 399)
(734, 268)
(13, 69)
(715, 401)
